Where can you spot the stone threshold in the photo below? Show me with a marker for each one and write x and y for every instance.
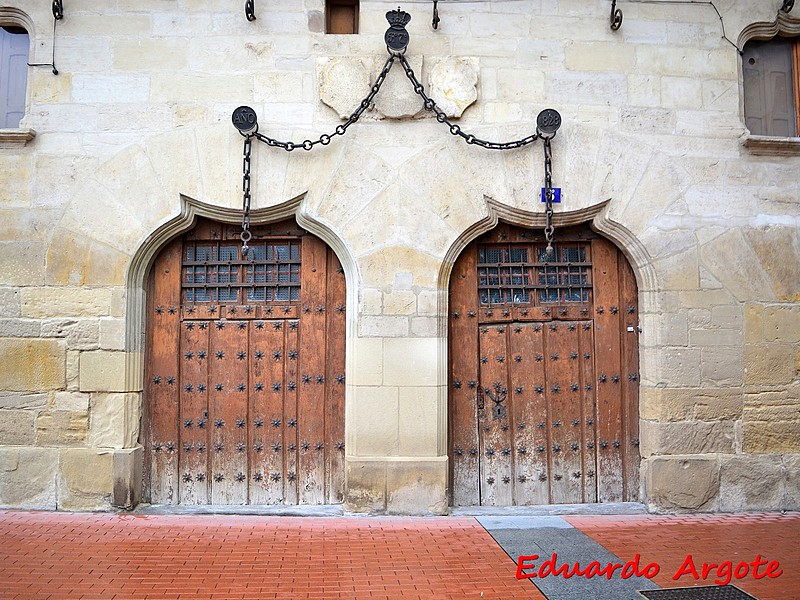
(322, 510)
(337, 510)
(551, 510)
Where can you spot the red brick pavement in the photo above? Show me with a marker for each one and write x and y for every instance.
(109, 556)
(667, 540)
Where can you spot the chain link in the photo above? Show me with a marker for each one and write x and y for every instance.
(430, 105)
(548, 197)
(325, 139)
(246, 235)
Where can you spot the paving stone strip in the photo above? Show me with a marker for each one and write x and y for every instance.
(544, 536)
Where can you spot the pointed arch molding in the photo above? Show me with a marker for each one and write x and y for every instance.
(596, 215)
(191, 210)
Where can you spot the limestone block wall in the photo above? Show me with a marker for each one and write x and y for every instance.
(133, 139)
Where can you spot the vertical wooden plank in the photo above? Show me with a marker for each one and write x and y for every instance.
(495, 433)
(563, 393)
(311, 409)
(290, 441)
(630, 379)
(193, 418)
(608, 371)
(259, 423)
(269, 390)
(526, 375)
(228, 375)
(335, 360)
(162, 377)
(588, 409)
(463, 381)
(796, 81)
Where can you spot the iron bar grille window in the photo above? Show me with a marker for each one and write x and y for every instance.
(215, 272)
(519, 274)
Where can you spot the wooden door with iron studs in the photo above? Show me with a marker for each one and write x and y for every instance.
(244, 375)
(543, 371)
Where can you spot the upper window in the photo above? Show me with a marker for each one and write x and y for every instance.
(772, 87)
(341, 16)
(13, 75)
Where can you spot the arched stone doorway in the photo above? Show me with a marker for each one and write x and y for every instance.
(244, 370)
(543, 371)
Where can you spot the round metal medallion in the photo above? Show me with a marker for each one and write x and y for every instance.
(548, 121)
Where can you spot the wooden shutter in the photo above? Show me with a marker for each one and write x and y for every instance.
(13, 75)
(342, 16)
(769, 89)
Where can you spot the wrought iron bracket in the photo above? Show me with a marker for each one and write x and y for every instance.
(616, 16)
(436, 19)
(58, 9)
(788, 5)
(250, 10)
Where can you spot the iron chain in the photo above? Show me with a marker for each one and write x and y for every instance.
(325, 139)
(430, 105)
(548, 197)
(246, 235)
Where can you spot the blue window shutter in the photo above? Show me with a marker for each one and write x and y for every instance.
(13, 77)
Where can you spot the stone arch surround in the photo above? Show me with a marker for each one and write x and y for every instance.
(358, 198)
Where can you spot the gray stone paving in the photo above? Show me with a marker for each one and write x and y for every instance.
(544, 535)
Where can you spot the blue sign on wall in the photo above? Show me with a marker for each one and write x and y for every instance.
(556, 195)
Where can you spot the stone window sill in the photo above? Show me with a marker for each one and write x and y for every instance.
(15, 138)
(763, 145)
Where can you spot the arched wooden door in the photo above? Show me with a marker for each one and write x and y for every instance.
(543, 401)
(244, 376)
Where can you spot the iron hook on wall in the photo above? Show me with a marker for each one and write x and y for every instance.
(250, 10)
(788, 5)
(58, 10)
(436, 18)
(616, 16)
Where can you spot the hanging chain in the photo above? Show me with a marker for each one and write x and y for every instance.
(325, 139)
(430, 105)
(246, 235)
(245, 120)
(548, 198)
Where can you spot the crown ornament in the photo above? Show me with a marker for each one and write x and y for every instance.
(396, 36)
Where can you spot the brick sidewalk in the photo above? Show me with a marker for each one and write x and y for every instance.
(667, 540)
(67, 556)
(105, 556)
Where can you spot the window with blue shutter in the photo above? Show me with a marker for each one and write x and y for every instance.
(13, 75)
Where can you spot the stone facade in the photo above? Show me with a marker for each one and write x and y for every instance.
(133, 139)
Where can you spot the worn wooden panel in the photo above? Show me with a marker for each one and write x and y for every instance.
(463, 382)
(588, 411)
(272, 406)
(630, 379)
(494, 431)
(335, 360)
(311, 409)
(262, 336)
(526, 374)
(290, 441)
(564, 404)
(796, 80)
(228, 376)
(162, 373)
(608, 363)
(193, 419)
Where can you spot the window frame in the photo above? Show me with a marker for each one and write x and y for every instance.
(329, 4)
(783, 26)
(17, 137)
